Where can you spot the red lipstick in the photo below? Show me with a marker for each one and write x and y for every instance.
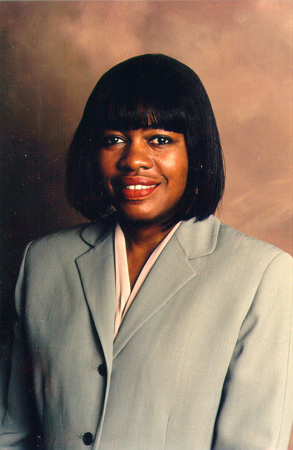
(136, 188)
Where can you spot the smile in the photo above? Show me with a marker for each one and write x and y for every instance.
(139, 187)
(137, 191)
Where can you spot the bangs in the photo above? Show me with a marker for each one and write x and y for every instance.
(142, 94)
(132, 114)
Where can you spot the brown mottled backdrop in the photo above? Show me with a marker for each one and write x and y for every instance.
(52, 54)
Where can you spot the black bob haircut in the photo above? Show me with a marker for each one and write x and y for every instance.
(156, 91)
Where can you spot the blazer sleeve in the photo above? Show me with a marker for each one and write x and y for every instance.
(256, 409)
(15, 407)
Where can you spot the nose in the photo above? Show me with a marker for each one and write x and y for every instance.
(136, 155)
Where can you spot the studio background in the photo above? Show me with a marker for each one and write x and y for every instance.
(53, 53)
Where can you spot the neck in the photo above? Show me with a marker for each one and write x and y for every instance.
(141, 241)
(145, 235)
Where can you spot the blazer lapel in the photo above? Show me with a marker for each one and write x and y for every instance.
(96, 268)
(171, 271)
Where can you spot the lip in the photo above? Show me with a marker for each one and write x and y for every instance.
(134, 181)
(131, 188)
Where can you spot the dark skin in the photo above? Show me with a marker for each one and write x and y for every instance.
(145, 173)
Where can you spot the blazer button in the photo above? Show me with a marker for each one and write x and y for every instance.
(38, 441)
(88, 438)
(102, 370)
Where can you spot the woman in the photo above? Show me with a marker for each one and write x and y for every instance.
(155, 326)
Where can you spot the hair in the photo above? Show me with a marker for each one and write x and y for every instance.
(156, 91)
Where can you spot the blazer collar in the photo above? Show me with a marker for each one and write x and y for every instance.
(196, 238)
(96, 232)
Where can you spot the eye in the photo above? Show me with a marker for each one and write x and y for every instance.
(161, 140)
(112, 139)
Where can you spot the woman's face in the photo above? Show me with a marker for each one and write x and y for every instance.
(144, 171)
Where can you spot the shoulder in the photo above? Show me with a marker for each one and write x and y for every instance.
(58, 241)
(253, 255)
(235, 241)
(68, 243)
(229, 249)
(241, 246)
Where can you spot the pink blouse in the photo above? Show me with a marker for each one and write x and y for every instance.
(124, 294)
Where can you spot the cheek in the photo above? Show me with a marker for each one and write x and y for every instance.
(181, 173)
(184, 167)
(179, 168)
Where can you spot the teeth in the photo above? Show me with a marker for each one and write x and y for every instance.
(138, 187)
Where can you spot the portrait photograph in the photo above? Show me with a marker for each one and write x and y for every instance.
(146, 225)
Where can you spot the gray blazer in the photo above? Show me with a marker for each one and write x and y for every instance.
(201, 360)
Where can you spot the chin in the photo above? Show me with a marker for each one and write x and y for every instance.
(147, 219)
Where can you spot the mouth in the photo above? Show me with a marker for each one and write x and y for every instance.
(137, 188)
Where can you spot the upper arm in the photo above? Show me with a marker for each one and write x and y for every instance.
(15, 406)
(256, 406)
